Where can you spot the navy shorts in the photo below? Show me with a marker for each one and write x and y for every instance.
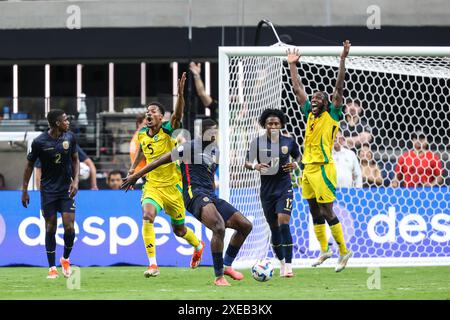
(195, 205)
(279, 204)
(52, 204)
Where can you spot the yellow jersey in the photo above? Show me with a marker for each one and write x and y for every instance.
(320, 134)
(155, 147)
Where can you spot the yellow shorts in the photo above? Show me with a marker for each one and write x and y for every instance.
(319, 182)
(169, 198)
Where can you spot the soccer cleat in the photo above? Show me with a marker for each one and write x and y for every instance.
(221, 281)
(323, 256)
(342, 261)
(65, 265)
(152, 271)
(197, 256)
(235, 275)
(52, 273)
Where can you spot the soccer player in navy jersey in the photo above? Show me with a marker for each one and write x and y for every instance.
(271, 154)
(198, 162)
(57, 151)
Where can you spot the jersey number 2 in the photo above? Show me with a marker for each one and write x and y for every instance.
(58, 158)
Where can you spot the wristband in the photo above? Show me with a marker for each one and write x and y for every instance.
(254, 165)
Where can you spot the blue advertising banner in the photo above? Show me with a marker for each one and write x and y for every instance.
(108, 232)
(378, 223)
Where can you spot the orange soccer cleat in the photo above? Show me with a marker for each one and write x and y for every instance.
(221, 281)
(235, 275)
(65, 265)
(52, 273)
(152, 271)
(197, 256)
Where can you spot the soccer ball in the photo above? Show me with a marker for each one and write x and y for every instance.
(85, 171)
(262, 270)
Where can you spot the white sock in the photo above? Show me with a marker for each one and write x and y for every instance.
(152, 260)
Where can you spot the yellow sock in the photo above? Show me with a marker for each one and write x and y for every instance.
(321, 234)
(148, 234)
(191, 238)
(338, 235)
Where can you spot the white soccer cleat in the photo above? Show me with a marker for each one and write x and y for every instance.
(342, 261)
(152, 271)
(323, 256)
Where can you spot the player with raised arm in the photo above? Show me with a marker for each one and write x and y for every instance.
(199, 159)
(163, 189)
(270, 155)
(57, 151)
(319, 174)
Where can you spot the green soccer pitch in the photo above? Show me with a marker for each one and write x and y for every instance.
(100, 283)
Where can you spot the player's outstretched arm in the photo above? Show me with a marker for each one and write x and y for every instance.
(26, 178)
(338, 93)
(73, 188)
(292, 58)
(196, 69)
(137, 159)
(177, 115)
(130, 180)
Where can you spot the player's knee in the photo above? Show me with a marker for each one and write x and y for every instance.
(50, 228)
(179, 232)
(328, 214)
(246, 227)
(319, 220)
(69, 229)
(148, 216)
(219, 229)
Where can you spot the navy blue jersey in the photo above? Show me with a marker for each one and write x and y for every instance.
(81, 155)
(275, 181)
(55, 156)
(198, 166)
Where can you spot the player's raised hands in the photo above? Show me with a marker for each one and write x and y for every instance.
(196, 68)
(293, 55)
(25, 198)
(181, 84)
(346, 49)
(128, 182)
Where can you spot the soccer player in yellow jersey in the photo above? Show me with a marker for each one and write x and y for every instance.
(319, 174)
(163, 188)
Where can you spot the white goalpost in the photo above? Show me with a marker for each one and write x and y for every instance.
(400, 90)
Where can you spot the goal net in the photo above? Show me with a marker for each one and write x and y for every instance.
(397, 91)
